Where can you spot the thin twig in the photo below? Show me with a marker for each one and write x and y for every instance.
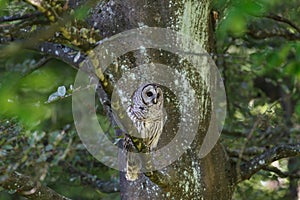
(240, 157)
(38, 65)
(19, 17)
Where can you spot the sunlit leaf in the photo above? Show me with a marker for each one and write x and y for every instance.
(239, 116)
(61, 91)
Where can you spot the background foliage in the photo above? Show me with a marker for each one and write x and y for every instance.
(260, 61)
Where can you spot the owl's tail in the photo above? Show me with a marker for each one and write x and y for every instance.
(133, 166)
(131, 159)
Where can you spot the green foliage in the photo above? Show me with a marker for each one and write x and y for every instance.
(261, 187)
(81, 13)
(237, 14)
(12, 7)
(3, 4)
(38, 154)
(25, 97)
(35, 136)
(261, 78)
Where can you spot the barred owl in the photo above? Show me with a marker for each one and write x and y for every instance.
(146, 113)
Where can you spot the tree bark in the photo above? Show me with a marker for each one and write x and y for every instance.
(191, 177)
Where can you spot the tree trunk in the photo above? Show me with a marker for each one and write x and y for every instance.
(191, 177)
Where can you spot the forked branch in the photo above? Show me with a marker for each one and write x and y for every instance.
(263, 160)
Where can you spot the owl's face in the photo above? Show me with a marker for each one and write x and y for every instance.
(152, 95)
(147, 101)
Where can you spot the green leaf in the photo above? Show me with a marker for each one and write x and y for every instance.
(251, 7)
(3, 4)
(81, 13)
(236, 22)
(49, 147)
(7, 147)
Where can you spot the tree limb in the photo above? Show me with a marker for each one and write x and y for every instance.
(92, 180)
(284, 20)
(280, 173)
(261, 161)
(61, 52)
(231, 133)
(19, 17)
(276, 32)
(105, 101)
(30, 189)
(39, 64)
(262, 34)
(67, 54)
(252, 151)
(163, 180)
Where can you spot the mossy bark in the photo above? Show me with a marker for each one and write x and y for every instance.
(191, 177)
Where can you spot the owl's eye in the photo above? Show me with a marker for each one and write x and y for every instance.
(141, 108)
(149, 94)
(158, 95)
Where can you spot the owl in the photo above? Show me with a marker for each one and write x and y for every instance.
(146, 113)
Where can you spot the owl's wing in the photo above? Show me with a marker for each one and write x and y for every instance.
(165, 116)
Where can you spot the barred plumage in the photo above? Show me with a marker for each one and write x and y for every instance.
(146, 112)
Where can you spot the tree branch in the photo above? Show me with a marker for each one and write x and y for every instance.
(276, 32)
(252, 151)
(92, 180)
(280, 173)
(262, 34)
(30, 189)
(105, 101)
(19, 17)
(62, 52)
(163, 180)
(284, 20)
(231, 133)
(39, 64)
(67, 54)
(261, 161)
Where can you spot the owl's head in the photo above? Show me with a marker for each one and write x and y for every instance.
(151, 95)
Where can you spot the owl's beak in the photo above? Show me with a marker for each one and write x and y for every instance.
(155, 100)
